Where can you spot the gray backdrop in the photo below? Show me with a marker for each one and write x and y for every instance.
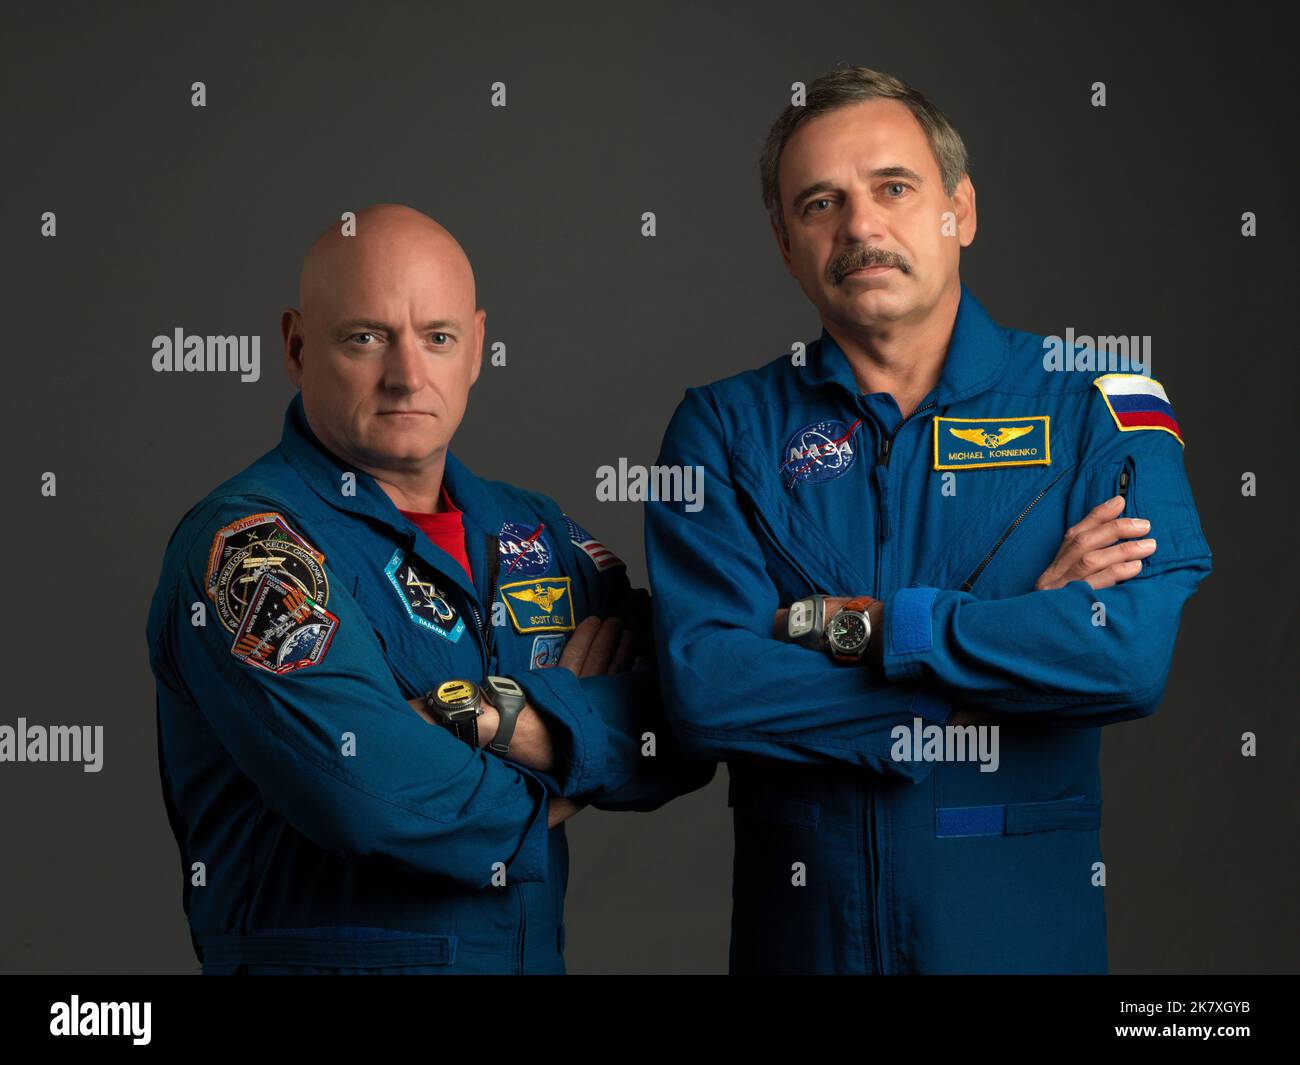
(1120, 220)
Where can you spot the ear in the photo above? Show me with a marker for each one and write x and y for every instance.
(963, 199)
(291, 333)
(780, 242)
(480, 318)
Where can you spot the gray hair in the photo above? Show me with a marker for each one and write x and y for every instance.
(851, 85)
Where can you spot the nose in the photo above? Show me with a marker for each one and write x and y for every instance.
(404, 364)
(863, 219)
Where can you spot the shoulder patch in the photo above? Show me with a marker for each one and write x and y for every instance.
(243, 551)
(282, 629)
(601, 556)
(1138, 402)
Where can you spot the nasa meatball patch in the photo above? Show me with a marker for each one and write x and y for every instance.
(524, 550)
(819, 452)
(282, 629)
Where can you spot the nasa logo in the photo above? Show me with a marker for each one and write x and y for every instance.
(819, 452)
(524, 550)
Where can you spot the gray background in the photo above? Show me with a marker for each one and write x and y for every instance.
(1116, 220)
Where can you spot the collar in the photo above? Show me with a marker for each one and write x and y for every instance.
(323, 473)
(977, 355)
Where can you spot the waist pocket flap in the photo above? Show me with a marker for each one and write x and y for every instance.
(785, 809)
(306, 946)
(1075, 813)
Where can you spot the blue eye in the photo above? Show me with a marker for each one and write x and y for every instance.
(355, 335)
(896, 185)
(811, 202)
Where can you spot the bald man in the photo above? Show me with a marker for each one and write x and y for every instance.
(384, 683)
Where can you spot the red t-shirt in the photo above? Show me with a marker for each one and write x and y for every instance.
(445, 529)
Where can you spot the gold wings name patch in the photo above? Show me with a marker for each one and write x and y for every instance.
(541, 605)
(979, 443)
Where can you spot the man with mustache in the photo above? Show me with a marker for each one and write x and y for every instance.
(384, 682)
(924, 529)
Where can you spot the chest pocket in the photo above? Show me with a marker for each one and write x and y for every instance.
(802, 558)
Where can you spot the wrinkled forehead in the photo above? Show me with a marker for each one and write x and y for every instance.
(857, 138)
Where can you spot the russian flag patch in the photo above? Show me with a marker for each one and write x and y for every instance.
(1138, 402)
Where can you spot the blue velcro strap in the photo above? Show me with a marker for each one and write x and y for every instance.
(909, 620)
(970, 821)
(1019, 818)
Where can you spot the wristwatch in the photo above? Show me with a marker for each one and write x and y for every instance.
(806, 622)
(455, 706)
(849, 631)
(508, 699)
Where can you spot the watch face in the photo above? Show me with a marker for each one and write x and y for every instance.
(504, 686)
(800, 620)
(456, 693)
(848, 633)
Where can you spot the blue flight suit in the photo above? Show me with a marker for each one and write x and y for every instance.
(912, 864)
(323, 825)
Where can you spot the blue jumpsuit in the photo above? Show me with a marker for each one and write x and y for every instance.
(853, 854)
(323, 825)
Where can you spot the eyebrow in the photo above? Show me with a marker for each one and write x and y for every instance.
(879, 172)
(384, 327)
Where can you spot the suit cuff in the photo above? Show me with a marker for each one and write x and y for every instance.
(557, 694)
(909, 632)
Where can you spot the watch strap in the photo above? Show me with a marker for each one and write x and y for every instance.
(508, 705)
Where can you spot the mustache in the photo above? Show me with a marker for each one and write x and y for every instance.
(861, 256)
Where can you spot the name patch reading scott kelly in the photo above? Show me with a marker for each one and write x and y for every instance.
(978, 443)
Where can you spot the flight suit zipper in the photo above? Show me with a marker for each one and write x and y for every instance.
(487, 633)
(1126, 476)
(881, 476)
(887, 444)
(969, 582)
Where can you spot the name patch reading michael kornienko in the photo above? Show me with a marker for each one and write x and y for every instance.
(978, 443)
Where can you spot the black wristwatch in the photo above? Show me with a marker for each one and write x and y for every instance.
(508, 699)
(455, 706)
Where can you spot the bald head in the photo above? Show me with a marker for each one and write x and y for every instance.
(390, 239)
(385, 345)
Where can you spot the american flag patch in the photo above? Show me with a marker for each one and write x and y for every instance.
(601, 556)
(1138, 402)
